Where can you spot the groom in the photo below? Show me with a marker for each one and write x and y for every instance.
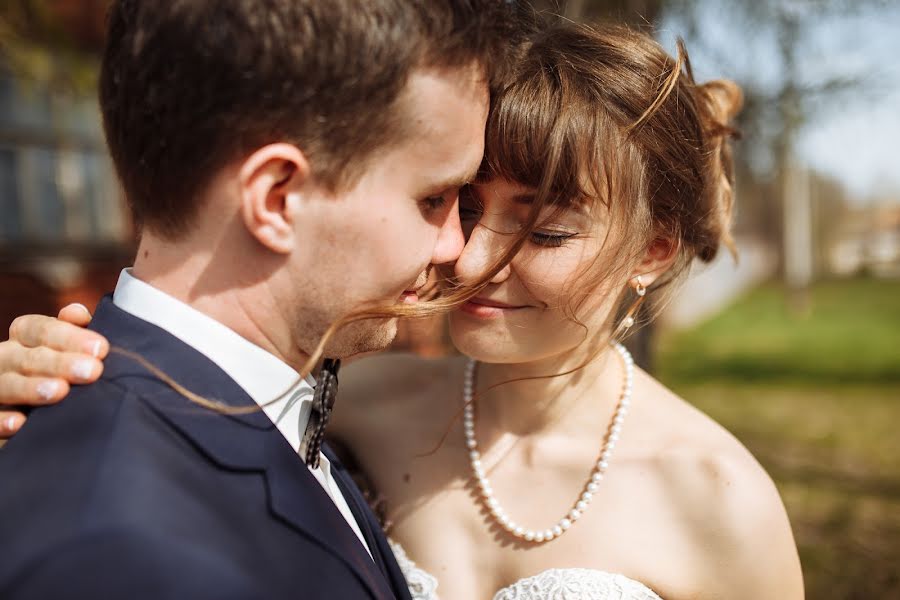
(288, 162)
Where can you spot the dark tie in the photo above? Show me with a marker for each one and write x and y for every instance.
(322, 405)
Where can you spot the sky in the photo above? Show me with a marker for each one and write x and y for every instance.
(851, 135)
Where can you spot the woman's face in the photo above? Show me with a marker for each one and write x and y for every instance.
(521, 315)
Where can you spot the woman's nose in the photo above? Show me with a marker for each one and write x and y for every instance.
(482, 250)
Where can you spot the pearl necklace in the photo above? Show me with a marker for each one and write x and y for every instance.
(484, 486)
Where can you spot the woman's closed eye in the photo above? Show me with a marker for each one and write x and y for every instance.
(551, 239)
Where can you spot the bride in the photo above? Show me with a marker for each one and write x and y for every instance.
(543, 463)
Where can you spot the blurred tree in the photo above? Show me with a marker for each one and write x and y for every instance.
(53, 43)
(779, 104)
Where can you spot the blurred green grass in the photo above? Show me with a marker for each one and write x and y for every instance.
(817, 399)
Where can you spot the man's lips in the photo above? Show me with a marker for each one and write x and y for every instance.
(409, 297)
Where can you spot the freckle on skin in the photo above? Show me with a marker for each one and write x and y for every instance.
(406, 478)
(146, 253)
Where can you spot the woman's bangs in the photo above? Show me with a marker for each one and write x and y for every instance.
(533, 138)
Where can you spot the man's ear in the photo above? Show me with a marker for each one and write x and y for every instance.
(659, 258)
(271, 181)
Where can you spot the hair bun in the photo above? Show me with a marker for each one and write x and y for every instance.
(725, 99)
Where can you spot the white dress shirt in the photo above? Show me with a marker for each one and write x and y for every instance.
(261, 374)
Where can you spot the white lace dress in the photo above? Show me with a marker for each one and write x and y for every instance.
(553, 584)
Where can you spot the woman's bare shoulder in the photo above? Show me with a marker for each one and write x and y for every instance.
(723, 497)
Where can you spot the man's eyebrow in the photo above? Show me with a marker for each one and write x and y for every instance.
(455, 181)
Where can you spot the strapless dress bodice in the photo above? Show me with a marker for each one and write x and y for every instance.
(552, 584)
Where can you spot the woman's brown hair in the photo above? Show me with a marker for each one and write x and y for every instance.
(602, 114)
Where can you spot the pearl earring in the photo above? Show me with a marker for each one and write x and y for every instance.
(641, 290)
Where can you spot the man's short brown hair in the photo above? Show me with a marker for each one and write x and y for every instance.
(188, 86)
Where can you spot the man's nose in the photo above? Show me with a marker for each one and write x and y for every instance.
(450, 239)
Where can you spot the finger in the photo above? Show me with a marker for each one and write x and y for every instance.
(76, 314)
(46, 362)
(10, 423)
(38, 330)
(32, 391)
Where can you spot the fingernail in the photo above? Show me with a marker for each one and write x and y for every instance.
(95, 348)
(82, 307)
(10, 424)
(47, 390)
(83, 369)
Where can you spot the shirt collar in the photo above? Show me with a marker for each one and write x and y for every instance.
(261, 374)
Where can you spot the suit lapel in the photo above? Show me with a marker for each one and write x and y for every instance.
(244, 443)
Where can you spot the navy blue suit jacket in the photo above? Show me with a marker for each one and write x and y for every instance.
(128, 490)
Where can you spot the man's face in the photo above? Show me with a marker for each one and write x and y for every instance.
(376, 242)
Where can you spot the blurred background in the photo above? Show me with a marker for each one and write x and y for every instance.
(796, 348)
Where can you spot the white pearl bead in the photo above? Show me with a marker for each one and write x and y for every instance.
(587, 496)
(596, 477)
(471, 444)
(592, 487)
(557, 531)
(581, 505)
(574, 514)
(548, 535)
(565, 524)
(603, 465)
(474, 455)
(519, 531)
(539, 536)
(529, 536)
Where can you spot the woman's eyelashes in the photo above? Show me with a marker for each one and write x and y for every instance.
(551, 239)
(471, 212)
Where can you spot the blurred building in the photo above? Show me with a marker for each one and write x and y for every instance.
(64, 232)
(867, 241)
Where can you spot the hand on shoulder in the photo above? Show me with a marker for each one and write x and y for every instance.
(42, 357)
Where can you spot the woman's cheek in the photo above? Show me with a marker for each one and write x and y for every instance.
(551, 269)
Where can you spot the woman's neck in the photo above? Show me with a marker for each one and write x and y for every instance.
(531, 404)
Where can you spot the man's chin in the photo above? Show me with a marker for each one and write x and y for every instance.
(361, 338)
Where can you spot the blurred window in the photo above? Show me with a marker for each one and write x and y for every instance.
(10, 211)
(56, 180)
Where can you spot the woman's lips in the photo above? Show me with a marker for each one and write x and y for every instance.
(486, 309)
